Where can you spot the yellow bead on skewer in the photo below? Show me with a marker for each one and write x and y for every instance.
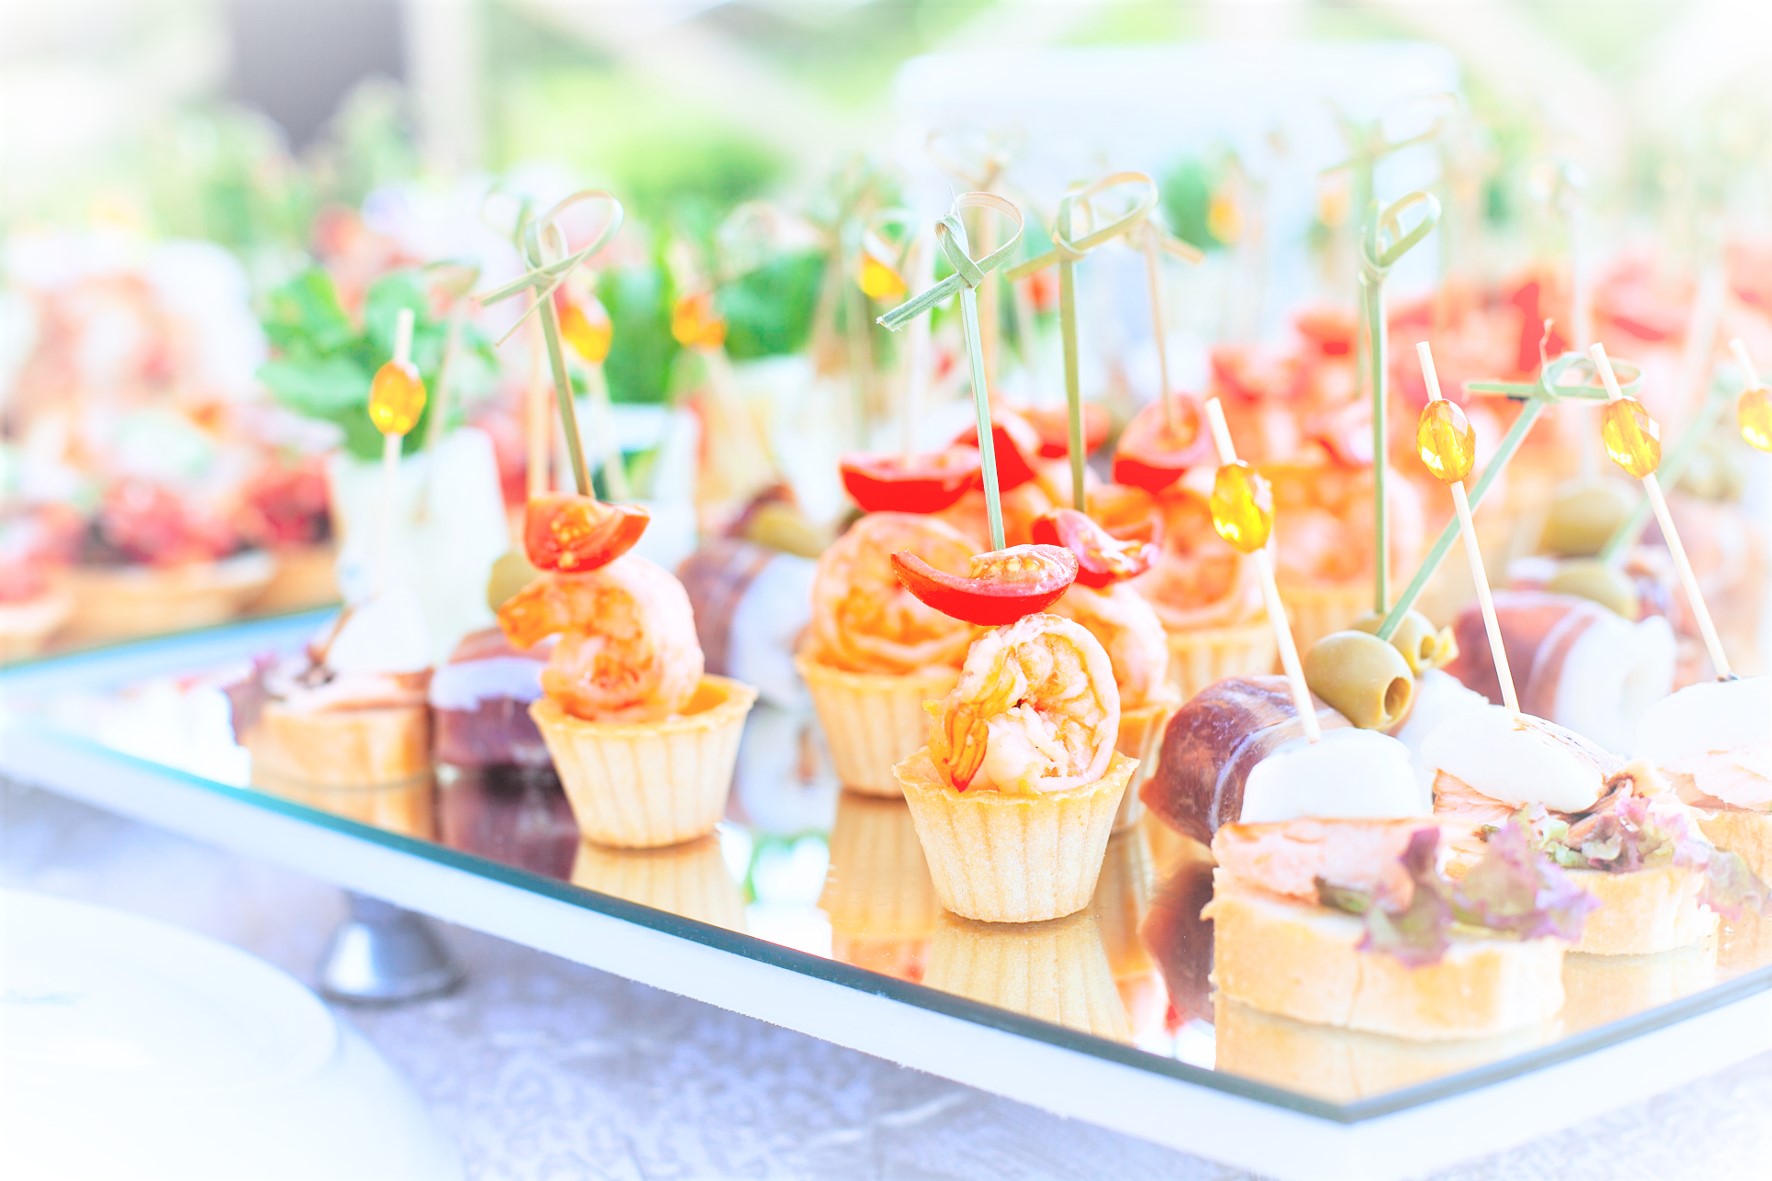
(1634, 443)
(1242, 505)
(1632, 437)
(1445, 441)
(396, 397)
(695, 324)
(396, 402)
(586, 327)
(878, 278)
(1754, 413)
(1448, 446)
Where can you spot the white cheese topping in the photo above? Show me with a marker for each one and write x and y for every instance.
(1518, 759)
(1349, 775)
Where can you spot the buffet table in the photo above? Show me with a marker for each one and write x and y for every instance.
(544, 1068)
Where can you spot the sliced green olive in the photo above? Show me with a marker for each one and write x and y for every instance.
(1362, 676)
(1584, 516)
(1605, 584)
(1423, 646)
(510, 574)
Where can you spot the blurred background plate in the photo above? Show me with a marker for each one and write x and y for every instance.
(135, 1049)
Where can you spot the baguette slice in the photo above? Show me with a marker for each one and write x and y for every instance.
(1304, 962)
(1643, 911)
(1740, 831)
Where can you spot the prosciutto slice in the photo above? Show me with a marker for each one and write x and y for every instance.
(1575, 662)
(1212, 744)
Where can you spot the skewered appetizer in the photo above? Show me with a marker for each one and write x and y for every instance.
(1714, 743)
(288, 503)
(349, 710)
(1579, 664)
(1015, 794)
(1623, 835)
(1330, 903)
(1204, 591)
(875, 653)
(158, 559)
(1103, 601)
(644, 742)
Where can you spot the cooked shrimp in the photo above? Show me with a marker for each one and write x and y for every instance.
(627, 650)
(1128, 627)
(1198, 580)
(1323, 513)
(1036, 710)
(1022, 506)
(863, 620)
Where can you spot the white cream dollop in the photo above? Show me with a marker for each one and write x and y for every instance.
(1438, 696)
(385, 633)
(1349, 775)
(1518, 759)
(1720, 734)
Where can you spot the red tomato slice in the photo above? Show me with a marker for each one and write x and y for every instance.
(1126, 512)
(1053, 425)
(1331, 330)
(1017, 445)
(1151, 456)
(1001, 586)
(1102, 558)
(578, 533)
(912, 483)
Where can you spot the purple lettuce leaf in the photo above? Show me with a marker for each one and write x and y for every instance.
(1515, 888)
(1418, 933)
(1731, 888)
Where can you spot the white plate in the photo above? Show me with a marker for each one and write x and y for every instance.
(135, 1049)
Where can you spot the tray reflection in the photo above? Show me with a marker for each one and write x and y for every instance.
(801, 863)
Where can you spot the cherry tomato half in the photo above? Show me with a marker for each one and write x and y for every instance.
(1017, 445)
(579, 533)
(1001, 586)
(1330, 330)
(1152, 456)
(1053, 425)
(1102, 558)
(924, 483)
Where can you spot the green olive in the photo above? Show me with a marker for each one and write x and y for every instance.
(1362, 676)
(1712, 474)
(1604, 583)
(1584, 516)
(1422, 645)
(510, 574)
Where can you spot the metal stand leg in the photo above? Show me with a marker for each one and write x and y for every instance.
(381, 954)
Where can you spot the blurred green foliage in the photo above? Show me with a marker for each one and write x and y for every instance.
(322, 361)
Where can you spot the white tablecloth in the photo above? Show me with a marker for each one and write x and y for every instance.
(544, 1069)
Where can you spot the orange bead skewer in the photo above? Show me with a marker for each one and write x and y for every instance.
(1753, 413)
(1448, 446)
(1633, 442)
(1243, 514)
(396, 402)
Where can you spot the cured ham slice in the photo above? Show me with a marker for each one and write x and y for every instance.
(1214, 742)
(1574, 662)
